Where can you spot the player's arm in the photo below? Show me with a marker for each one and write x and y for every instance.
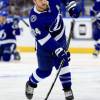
(47, 42)
(74, 7)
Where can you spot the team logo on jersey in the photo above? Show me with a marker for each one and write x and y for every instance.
(33, 18)
(36, 31)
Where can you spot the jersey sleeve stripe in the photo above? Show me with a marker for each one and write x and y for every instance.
(60, 35)
(44, 40)
(7, 41)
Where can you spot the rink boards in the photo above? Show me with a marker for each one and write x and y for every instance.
(81, 42)
(72, 50)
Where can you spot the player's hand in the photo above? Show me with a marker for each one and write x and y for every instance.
(74, 9)
(63, 55)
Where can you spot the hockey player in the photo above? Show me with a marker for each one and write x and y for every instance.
(48, 28)
(95, 13)
(8, 32)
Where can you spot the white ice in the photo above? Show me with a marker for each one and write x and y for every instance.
(85, 79)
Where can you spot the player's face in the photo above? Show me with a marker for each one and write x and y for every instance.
(41, 5)
(2, 19)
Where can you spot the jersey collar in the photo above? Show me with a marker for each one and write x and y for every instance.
(38, 12)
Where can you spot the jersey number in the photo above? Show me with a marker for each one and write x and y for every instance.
(36, 31)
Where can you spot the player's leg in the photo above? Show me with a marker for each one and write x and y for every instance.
(6, 53)
(1, 51)
(44, 70)
(15, 52)
(65, 78)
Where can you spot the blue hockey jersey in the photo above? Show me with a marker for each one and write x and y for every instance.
(48, 27)
(8, 32)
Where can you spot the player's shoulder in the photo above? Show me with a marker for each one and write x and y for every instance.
(97, 0)
(37, 17)
(33, 16)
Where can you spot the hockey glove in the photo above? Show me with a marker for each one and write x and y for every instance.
(97, 47)
(74, 9)
(61, 54)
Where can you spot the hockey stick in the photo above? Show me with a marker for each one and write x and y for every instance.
(62, 62)
(19, 17)
(24, 22)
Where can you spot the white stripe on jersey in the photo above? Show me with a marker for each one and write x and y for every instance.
(60, 35)
(44, 40)
(57, 24)
(7, 41)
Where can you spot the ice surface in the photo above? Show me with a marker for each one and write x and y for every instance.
(85, 79)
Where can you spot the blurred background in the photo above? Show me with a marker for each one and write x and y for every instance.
(82, 31)
(22, 7)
